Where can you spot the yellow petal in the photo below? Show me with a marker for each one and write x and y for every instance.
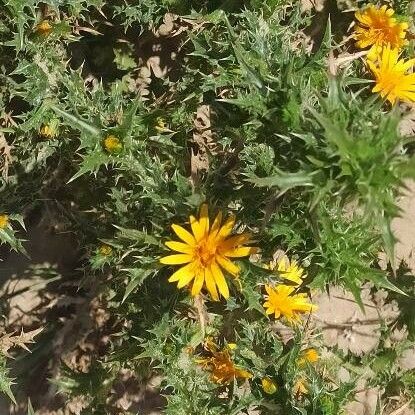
(240, 252)
(184, 235)
(235, 240)
(269, 289)
(220, 280)
(216, 224)
(176, 259)
(179, 247)
(227, 227)
(198, 283)
(186, 276)
(211, 284)
(182, 272)
(228, 265)
(204, 218)
(197, 229)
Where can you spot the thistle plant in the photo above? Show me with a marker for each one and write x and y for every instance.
(220, 166)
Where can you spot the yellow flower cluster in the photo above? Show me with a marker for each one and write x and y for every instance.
(379, 31)
(205, 255)
(223, 370)
(282, 299)
(307, 356)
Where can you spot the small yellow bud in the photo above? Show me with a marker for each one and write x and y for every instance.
(112, 144)
(4, 221)
(44, 28)
(46, 131)
(160, 124)
(105, 250)
(232, 346)
(268, 386)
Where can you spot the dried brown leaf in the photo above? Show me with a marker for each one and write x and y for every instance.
(204, 143)
(9, 340)
(6, 158)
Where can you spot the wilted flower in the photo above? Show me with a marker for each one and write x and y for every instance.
(282, 301)
(205, 252)
(377, 28)
(221, 366)
(300, 387)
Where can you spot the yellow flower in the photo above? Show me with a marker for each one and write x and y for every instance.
(308, 355)
(4, 221)
(112, 144)
(392, 80)
(377, 28)
(44, 28)
(268, 386)
(289, 269)
(105, 250)
(282, 301)
(221, 366)
(205, 252)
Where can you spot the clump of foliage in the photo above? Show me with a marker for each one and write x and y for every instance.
(134, 116)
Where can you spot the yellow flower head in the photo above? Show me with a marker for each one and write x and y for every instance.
(105, 250)
(205, 252)
(376, 27)
(282, 301)
(269, 386)
(391, 77)
(112, 144)
(221, 366)
(289, 270)
(44, 28)
(4, 221)
(308, 355)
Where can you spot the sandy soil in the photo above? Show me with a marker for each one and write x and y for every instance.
(404, 228)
